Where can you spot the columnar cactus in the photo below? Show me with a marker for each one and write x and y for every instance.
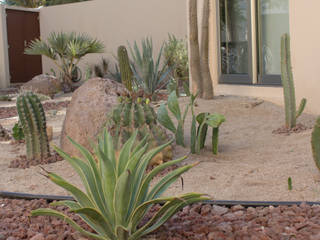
(137, 114)
(315, 143)
(33, 122)
(125, 69)
(288, 85)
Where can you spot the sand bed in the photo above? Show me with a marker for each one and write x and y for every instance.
(253, 163)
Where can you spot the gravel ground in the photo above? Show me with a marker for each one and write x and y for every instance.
(199, 221)
(7, 112)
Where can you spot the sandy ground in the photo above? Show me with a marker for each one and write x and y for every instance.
(253, 163)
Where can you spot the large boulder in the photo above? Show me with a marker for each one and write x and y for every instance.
(87, 112)
(44, 84)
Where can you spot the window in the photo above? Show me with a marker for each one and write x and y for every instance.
(250, 33)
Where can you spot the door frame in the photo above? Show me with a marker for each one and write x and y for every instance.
(6, 82)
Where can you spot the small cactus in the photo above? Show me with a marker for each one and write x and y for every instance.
(137, 115)
(125, 69)
(288, 85)
(315, 143)
(33, 123)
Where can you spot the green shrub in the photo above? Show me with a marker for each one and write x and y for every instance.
(117, 190)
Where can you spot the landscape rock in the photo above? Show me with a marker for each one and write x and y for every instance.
(87, 113)
(44, 84)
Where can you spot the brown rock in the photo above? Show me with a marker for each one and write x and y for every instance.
(87, 112)
(38, 236)
(219, 210)
(44, 84)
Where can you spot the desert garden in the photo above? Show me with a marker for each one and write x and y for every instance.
(144, 149)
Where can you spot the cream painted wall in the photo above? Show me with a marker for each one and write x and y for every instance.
(305, 51)
(115, 22)
(4, 67)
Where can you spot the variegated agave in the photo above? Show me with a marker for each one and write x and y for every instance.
(118, 193)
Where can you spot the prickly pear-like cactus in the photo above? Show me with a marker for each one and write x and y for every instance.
(33, 122)
(137, 114)
(288, 85)
(315, 143)
(124, 65)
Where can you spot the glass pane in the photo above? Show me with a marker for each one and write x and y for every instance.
(234, 36)
(274, 22)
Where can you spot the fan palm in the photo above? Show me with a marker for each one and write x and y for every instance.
(65, 50)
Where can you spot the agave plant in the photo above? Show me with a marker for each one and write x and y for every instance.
(65, 50)
(118, 193)
(149, 73)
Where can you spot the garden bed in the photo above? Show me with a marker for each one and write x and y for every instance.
(199, 221)
(253, 163)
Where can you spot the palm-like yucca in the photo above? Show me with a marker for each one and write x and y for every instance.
(66, 50)
(118, 193)
(149, 73)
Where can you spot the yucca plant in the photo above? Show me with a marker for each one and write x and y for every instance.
(65, 50)
(150, 74)
(118, 193)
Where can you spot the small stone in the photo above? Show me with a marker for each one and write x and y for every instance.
(11, 238)
(217, 210)
(2, 236)
(237, 208)
(38, 236)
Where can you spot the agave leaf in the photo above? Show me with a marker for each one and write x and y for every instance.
(180, 134)
(193, 135)
(121, 198)
(70, 204)
(173, 105)
(80, 196)
(125, 153)
(166, 181)
(98, 220)
(54, 213)
(143, 190)
(164, 119)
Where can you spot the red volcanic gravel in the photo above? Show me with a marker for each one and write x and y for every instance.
(287, 131)
(7, 112)
(204, 222)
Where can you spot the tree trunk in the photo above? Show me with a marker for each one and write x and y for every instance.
(194, 54)
(204, 53)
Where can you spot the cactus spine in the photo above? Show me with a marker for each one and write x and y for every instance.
(33, 122)
(315, 143)
(288, 85)
(137, 115)
(125, 69)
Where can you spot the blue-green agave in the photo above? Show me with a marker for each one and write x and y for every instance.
(117, 190)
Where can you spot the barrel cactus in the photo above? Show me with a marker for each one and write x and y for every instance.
(137, 115)
(33, 123)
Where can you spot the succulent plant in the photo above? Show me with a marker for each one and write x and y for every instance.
(315, 143)
(33, 123)
(288, 85)
(117, 192)
(136, 114)
(125, 69)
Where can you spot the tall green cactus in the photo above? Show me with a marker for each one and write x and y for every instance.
(125, 69)
(33, 122)
(288, 85)
(315, 143)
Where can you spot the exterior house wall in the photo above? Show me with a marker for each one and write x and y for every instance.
(115, 23)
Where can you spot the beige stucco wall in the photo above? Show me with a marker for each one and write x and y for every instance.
(4, 68)
(305, 50)
(115, 22)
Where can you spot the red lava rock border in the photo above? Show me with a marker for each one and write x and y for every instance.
(286, 131)
(198, 221)
(22, 162)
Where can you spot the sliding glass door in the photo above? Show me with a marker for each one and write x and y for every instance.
(250, 33)
(235, 41)
(273, 20)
